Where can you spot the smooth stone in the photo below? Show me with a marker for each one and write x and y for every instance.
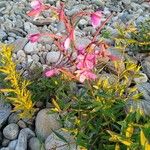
(144, 88)
(2, 34)
(53, 57)
(21, 56)
(22, 124)
(127, 2)
(35, 58)
(19, 44)
(60, 27)
(30, 47)
(82, 23)
(75, 9)
(98, 2)
(34, 144)
(142, 105)
(39, 104)
(35, 65)
(2, 4)
(82, 41)
(11, 39)
(13, 118)
(29, 59)
(12, 34)
(12, 145)
(54, 142)
(135, 6)
(24, 135)
(146, 67)
(5, 110)
(5, 148)
(48, 47)
(46, 39)
(49, 122)
(5, 142)
(11, 131)
(30, 28)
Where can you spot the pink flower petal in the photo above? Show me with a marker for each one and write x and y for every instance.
(82, 78)
(34, 13)
(34, 37)
(67, 43)
(96, 18)
(80, 65)
(89, 64)
(36, 4)
(90, 75)
(51, 73)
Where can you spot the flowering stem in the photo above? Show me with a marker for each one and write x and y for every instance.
(78, 15)
(99, 29)
(52, 35)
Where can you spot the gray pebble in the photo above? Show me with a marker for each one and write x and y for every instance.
(11, 131)
(13, 118)
(22, 124)
(24, 135)
(34, 144)
(12, 145)
(5, 142)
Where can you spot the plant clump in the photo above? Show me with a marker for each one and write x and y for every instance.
(17, 93)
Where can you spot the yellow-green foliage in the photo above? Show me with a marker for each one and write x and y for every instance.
(134, 38)
(20, 96)
(121, 81)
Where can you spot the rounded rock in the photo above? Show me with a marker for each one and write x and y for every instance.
(23, 137)
(34, 144)
(22, 124)
(54, 142)
(12, 145)
(5, 142)
(11, 131)
(13, 118)
(30, 48)
(53, 57)
(45, 123)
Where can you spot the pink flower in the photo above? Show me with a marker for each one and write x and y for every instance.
(67, 43)
(51, 72)
(69, 39)
(85, 74)
(34, 37)
(36, 4)
(86, 61)
(37, 8)
(96, 18)
(80, 50)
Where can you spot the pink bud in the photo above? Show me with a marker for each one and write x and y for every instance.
(67, 43)
(34, 37)
(96, 18)
(36, 4)
(69, 39)
(51, 73)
